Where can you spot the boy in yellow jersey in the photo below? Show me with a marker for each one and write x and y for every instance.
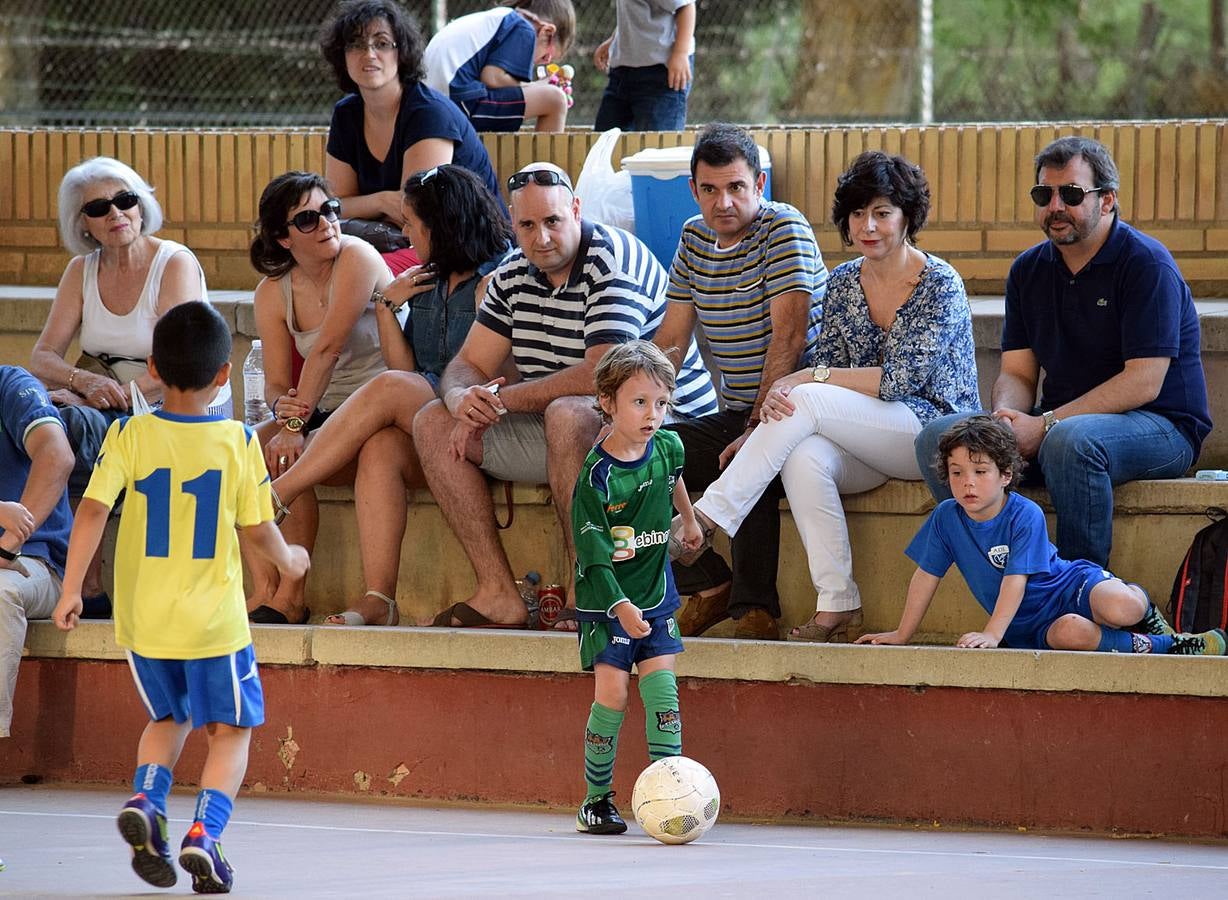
(189, 479)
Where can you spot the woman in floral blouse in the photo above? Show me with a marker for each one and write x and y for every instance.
(895, 352)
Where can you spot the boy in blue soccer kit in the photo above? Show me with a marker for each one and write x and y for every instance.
(625, 594)
(189, 479)
(997, 539)
(484, 61)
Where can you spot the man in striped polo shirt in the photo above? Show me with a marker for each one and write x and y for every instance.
(749, 272)
(517, 400)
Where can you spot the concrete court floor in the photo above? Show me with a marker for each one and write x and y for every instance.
(62, 842)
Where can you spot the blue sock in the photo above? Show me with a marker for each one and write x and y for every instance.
(1117, 641)
(1160, 643)
(154, 781)
(213, 808)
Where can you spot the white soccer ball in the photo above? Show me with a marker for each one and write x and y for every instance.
(675, 800)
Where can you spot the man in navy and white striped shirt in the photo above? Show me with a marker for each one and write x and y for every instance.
(517, 400)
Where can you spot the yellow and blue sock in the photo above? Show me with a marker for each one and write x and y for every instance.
(154, 781)
(662, 721)
(213, 810)
(600, 749)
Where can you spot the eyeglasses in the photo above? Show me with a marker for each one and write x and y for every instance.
(1071, 194)
(540, 177)
(308, 220)
(96, 209)
(379, 45)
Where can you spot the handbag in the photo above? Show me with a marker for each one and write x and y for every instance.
(383, 237)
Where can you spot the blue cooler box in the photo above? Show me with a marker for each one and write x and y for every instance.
(661, 193)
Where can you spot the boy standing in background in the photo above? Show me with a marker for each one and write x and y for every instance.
(649, 61)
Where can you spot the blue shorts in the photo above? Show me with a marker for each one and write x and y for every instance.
(1076, 600)
(623, 651)
(223, 689)
(502, 109)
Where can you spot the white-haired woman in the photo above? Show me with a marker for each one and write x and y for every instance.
(120, 280)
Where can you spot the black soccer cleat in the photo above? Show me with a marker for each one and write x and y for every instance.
(599, 816)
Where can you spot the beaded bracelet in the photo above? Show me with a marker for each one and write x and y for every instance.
(377, 296)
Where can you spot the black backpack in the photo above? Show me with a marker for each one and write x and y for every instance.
(1199, 601)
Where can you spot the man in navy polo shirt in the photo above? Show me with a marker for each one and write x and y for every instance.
(1103, 310)
(35, 462)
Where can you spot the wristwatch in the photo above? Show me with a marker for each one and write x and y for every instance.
(1050, 418)
(8, 555)
(295, 424)
(821, 374)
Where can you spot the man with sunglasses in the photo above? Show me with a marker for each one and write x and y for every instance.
(1103, 311)
(553, 307)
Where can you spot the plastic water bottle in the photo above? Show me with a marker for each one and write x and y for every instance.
(255, 410)
(528, 593)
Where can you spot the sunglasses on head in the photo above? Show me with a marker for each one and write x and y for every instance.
(421, 177)
(540, 177)
(96, 209)
(308, 220)
(1071, 194)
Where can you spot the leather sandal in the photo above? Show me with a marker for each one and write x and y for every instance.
(280, 510)
(814, 633)
(353, 617)
(680, 553)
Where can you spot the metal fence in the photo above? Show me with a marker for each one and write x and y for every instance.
(242, 63)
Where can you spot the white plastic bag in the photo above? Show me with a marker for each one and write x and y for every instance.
(605, 195)
(140, 406)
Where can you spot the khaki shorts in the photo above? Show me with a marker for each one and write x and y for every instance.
(515, 448)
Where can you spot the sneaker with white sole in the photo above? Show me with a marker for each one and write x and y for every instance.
(202, 857)
(144, 828)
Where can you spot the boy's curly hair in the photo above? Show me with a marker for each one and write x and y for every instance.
(982, 436)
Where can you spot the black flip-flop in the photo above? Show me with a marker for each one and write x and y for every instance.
(267, 615)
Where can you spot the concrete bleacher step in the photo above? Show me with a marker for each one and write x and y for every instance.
(1051, 740)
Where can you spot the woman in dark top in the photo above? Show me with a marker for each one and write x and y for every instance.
(423, 316)
(389, 124)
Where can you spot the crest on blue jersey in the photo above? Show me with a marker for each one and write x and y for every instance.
(999, 555)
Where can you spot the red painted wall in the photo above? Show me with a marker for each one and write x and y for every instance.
(1042, 760)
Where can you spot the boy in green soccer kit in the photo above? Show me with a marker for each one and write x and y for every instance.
(189, 479)
(625, 595)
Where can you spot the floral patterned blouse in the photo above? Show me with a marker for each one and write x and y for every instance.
(927, 356)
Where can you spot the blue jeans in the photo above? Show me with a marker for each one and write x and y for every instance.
(1080, 461)
(639, 98)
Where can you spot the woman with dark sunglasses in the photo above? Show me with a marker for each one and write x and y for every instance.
(390, 124)
(120, 280)
(424, 316)
(315, 299)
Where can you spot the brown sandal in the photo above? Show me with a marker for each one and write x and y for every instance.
(467, 617)
(814, 633)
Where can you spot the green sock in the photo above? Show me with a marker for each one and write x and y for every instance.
(662, 722)
(600, 748)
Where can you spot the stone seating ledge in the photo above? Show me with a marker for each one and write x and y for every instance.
(718, 659)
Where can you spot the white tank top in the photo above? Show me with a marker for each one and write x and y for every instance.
(103, 333)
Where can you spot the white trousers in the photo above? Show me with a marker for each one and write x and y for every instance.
(22, 597)
(837, 441)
